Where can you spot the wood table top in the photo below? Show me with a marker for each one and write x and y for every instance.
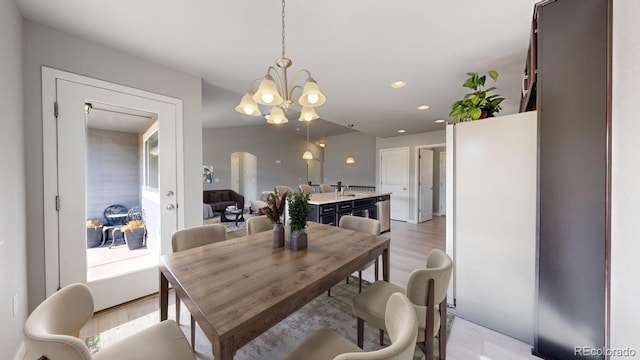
(241, 287)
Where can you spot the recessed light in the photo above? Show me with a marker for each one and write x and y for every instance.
(398, 84)
(439, 121)
(423, 107)
(402, 131)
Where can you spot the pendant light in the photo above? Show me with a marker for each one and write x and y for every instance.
(307, 154)
(350, 159)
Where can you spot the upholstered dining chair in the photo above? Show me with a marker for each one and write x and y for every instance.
(190, 238)
(400, 320)
(306, 189)
(282, 190)
(258, 224)
(371, 226)
(326, 188)
(48, 333)
(427, 290)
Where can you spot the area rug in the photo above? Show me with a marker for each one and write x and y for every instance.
(333, 312)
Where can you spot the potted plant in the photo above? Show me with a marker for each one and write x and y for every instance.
(298, 214)
(274, 211)
(477, 104)
(134, 234)
(94, 233)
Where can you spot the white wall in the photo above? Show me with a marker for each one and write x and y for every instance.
(625, 217)
(13, 266)
(56, 49)
(427, 138)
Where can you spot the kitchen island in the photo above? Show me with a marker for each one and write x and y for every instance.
(328, 208)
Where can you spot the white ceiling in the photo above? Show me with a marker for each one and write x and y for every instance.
(354, 49)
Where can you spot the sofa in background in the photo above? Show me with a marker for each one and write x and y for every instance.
(220, 199)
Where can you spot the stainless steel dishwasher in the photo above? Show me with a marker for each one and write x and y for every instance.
(384, 212)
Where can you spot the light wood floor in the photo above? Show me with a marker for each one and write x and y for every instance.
(410, 244)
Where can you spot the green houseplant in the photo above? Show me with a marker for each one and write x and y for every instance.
(298, 214)
(134, 234)
(94, 233)
(274, 211)
(477, 104)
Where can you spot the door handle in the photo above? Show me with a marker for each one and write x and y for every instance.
(170, 193)
(170, 207)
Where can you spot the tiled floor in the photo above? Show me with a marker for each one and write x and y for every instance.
(468, 341)
(105, 262)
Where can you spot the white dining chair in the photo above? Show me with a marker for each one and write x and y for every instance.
(190, 238)
(400, 320)
(427, 290)
(49, 333)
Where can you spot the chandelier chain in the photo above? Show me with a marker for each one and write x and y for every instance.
(282, 28)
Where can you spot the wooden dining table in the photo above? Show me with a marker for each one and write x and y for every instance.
(239, 288)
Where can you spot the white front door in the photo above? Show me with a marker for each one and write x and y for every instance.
(158, 193)
(426, 185)
(394, 178)
(442, 184)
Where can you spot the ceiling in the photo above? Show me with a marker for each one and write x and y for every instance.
(354, 50)
(116, 118)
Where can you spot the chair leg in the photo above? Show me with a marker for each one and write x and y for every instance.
(381, 337)
(361, 333)
(177, 309)
(193, 333)
(442, 340)
(329, 292)
(347, 279)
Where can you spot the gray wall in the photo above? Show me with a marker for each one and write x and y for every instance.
(56, 49)
(411, 141)
(113, 171)
(269, 144)
(436, 178)
(13, 267)
(362, 147)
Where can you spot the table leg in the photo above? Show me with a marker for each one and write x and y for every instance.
(385, 263)
(222, 350)
(164, 297)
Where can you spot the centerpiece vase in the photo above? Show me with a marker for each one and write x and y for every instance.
(278, 235)
(298, 240)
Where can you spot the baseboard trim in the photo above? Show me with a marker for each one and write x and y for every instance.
(20, 354)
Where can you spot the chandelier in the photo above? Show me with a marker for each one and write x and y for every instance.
(279, 96)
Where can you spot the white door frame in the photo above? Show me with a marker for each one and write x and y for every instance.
(50, 155)
(416, 178)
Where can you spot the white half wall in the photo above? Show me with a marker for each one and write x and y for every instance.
(495, 223)
(625, 189)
